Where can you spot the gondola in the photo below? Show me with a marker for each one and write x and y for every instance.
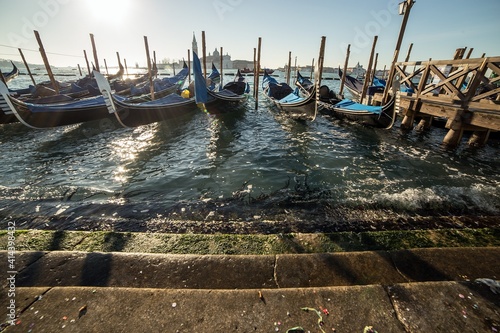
(355, 86)
(52, 115)
(164, 86)
(214, 100)
(12, 74)
(299, 103)
(370, 115)
(137, 114)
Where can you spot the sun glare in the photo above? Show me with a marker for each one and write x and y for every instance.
(111, 11)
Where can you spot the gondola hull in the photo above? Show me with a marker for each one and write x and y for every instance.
(48, 116)
(7, 118)
(138, 114)
(302, 110)
(52, 115)
(133, 115)
(382, 116)
(224, 102)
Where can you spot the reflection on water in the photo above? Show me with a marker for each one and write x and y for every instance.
(247, 165)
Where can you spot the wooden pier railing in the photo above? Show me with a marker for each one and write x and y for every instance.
(466, 92)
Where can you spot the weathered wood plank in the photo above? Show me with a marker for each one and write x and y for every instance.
(485, 120)
(457, 62)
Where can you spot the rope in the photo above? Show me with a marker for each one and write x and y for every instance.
(54, 53)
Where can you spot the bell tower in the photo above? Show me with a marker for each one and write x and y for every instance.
(194, 45)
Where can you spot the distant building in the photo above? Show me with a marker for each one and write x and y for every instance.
(215, 58)
(357, 72)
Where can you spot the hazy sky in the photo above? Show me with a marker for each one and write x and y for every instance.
(436, 29)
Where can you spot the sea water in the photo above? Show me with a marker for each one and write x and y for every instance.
(253, 166)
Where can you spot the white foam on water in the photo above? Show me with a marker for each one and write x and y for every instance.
(410, 199)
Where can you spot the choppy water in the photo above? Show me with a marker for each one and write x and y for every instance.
(249, 167)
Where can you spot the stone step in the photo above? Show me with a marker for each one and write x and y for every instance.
(439, 306)
(419, 290)
(143, 270)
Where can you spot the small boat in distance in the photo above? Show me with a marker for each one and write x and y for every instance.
(261, 72)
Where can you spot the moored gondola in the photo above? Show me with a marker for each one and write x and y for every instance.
(370, 115)
(137, 114)
(215, 100)
(299, 103)
(52, 115)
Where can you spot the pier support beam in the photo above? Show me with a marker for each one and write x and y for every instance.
(453, 137)
(478, 138)
(424, 124)
(456, 129)
(408, 119)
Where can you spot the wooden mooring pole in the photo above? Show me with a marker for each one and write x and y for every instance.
(28, 67)
(408, 55)
(126, 67)
(46, 62)
(374, 70)
(312, 70)
(368, 71)
(94, 50)
(255, 88)
(257, 73)
(405, 8)
(151, 86)
(342, 79)
(289, 68)
(155, 68)
(87, 62)
(319, 74)
(204, 49)
(221, 84)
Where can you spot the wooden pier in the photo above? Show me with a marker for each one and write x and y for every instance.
(464, 92)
